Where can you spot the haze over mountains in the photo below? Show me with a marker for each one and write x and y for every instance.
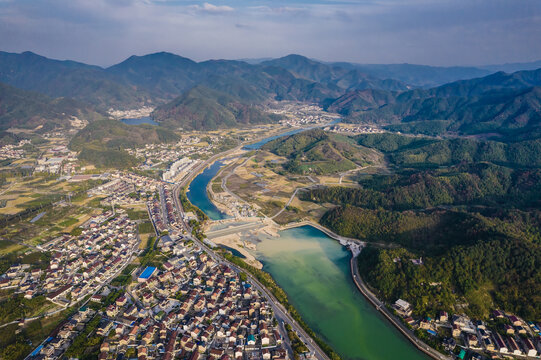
(223, 93)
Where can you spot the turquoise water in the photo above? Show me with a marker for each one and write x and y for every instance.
(197, 192)
(314, 270)
(139, 121)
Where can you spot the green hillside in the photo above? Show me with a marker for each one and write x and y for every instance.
(318, 152)
(202, 108)
(469, 208)
(55, 78)
(345, 77)
(28, 110)
(102, 143)
(505, 104)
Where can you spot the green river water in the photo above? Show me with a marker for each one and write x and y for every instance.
(314, 271)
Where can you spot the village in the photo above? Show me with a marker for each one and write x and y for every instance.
(79, 265)
(505, 335)
(183, 304)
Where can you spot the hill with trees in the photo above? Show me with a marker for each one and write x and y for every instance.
(28, 110)
(103, 143)
(319, 152)
(202, 108)
(345, 77)
(470, 209)
(504, 104)
(55, 78)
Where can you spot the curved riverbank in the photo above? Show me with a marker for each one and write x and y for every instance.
(351, 326)
(315, 273)
(363, 289)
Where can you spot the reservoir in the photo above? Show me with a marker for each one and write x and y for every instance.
(139, 121)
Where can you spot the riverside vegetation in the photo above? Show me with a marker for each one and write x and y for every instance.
(471, 214)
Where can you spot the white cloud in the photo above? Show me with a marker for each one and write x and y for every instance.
(213, 9)
(438, 32)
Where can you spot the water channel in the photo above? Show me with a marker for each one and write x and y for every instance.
(314, 271)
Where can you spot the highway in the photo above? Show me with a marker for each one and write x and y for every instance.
(279, 310)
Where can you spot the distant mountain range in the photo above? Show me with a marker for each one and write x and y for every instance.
(502, 103)
(223, 93)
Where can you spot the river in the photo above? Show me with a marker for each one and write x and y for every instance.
(314, 271)
(197, 192)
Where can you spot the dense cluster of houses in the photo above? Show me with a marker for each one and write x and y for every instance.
(139, 181)
(60, 339)
(79, 265)
(237, 208)
(163, 213)
(117, 191)
(122, 186)
(187, 146)
(13, 151)
(354, 130)
(508, 335)
(57, 160)
(297, 114)
(192, 309)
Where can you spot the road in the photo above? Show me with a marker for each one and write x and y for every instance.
(106, 282)
(231, 172)
(291, 199)
(278, 308)
(380, 306)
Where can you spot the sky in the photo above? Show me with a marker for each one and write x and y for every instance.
(435, 32)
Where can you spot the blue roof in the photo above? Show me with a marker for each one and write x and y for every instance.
(149, 270)
(251, 337)
(38, 349)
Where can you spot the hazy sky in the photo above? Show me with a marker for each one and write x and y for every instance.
(436, 32)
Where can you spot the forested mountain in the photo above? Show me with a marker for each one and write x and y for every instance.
(421, 75)
(319, 152)
(161, 74)
(54, 78)
(204, 108)
(103, 143)
(469, 208)
(28, 110)
(158, 78)
(343, 77)
(500, 103)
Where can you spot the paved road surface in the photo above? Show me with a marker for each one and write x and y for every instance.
(380, 306)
